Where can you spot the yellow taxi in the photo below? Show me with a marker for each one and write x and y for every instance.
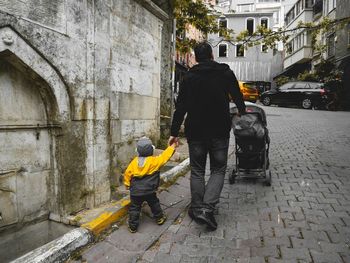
(249, 91)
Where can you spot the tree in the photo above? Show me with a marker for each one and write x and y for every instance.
(205, 20)
(196, 14)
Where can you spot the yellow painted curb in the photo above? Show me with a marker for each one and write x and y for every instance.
(104, 220)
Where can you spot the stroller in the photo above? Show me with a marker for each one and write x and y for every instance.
(252, 144)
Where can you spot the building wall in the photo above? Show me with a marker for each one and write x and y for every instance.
(98, 68)
(342, 50)
(255, 65)
(342, 44)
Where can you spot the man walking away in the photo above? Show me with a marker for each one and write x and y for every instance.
(204, 97)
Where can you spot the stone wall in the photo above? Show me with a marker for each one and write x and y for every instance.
(102, 70)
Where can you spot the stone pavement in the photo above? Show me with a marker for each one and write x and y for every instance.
(303, 217)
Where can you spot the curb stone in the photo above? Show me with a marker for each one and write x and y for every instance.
(60, 249)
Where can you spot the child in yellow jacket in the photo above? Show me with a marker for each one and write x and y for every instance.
(142, 177)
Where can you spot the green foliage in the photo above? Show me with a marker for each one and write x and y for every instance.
(315, 29)
(282, 80)
(196, 14)
(325, 71)
(307, 76)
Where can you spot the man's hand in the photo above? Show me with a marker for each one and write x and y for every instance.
(173, 140)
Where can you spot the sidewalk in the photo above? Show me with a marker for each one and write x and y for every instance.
(123, 247)
(93, 222)
(303, 217)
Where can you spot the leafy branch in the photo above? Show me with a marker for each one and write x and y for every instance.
(196, 15)
(191, 14)
(269, 37)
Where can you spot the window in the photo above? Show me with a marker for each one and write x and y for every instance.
(222, 25)
(318, 7)
(300, 85)
(309, 3)
(239, 50)
(290, 16)
(287, 86)
(245, 8)
(290, 47)
(309, 39)
(264, 48)
(331, 45)
(264, 22)
(250, 25)
(276, 17)
(312, 85)
(298, 7)
(328, 5)
(299, 41)
(275, 49)
(222, 50)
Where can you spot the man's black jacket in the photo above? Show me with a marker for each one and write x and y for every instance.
(204, 96)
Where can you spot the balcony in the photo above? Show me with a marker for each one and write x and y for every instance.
(305, 15)
(301, 55)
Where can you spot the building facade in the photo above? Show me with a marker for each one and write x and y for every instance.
(298, 49)
(342, 48)
(253, 64)
(301, 56)
(79, 81)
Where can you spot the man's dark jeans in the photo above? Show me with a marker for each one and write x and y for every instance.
(207, 196)
(136, 204)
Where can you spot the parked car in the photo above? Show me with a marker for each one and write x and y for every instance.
(300, 93)
(249, 91)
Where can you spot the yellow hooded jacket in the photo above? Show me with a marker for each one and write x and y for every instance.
(151, 165)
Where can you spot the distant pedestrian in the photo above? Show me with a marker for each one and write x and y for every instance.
(204, 97)
(142, 177)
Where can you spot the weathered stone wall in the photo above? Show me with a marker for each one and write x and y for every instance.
(166, 95)
(102, 68)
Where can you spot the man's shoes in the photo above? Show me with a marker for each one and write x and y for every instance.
(132, 229)
(209, 219)
(193, 215)
(162, 219)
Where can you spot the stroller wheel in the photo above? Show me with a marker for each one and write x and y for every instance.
(232, 177)
(268, 180)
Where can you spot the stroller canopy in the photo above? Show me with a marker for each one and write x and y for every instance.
(251, 108)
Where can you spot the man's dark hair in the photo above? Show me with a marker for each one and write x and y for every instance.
(203, 52)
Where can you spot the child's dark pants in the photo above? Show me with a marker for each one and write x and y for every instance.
(135, 208)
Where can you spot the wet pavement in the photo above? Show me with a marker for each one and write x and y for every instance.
(303, 217)
(18, 243)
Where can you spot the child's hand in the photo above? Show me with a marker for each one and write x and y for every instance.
(173, 142)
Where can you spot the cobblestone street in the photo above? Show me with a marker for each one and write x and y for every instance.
(303, 217)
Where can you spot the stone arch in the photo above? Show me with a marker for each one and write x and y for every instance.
(13, 45)
(29, 160)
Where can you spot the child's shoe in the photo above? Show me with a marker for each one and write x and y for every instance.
(162, 219)
(132, 229)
